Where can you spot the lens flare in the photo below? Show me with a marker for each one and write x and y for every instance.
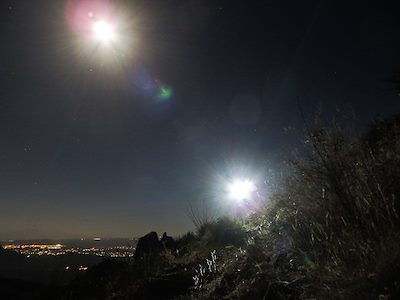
(164, 92)
(104, 32)
(82, 14)
(147, 86)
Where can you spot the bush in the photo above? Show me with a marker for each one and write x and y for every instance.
(332, 231)
(338, 213)
(222, 232)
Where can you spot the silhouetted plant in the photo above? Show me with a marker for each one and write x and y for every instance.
(200, 214)
(223, 231)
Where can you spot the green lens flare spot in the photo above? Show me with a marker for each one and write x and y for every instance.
(164, 93)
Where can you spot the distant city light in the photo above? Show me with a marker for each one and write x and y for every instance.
(35, 246)
(82, 268)
(240, 190)
(58, 249)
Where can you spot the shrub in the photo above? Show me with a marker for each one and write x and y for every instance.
(224, 231)
(339, 210)
(332, 231)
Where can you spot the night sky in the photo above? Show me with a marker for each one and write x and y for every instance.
(117, 144)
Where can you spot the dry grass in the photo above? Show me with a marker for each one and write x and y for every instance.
(333, 230)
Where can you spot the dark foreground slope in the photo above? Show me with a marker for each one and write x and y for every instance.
(21, 289)
(39, 277)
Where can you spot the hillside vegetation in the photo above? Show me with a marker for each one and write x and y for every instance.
(331, 231)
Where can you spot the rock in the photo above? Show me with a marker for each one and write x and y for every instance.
(148, 245)
(167, 241)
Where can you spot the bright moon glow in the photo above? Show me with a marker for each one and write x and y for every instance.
(103, 31)
(241, 189)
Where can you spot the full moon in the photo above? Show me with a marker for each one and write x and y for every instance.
(241, 189)
(103, 31)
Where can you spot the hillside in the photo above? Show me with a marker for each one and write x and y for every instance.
(330, 231)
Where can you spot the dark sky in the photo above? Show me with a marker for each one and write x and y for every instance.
(86, 152)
